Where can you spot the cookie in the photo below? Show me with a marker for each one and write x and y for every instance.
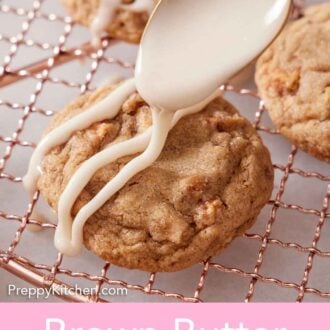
(126, 25)
(293, 78)
(207, 187)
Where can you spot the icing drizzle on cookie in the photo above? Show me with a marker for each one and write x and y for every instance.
(107, 10)
(167, 60)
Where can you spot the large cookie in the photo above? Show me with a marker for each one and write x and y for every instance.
(208, 186)
(126, 25)
(293, 77)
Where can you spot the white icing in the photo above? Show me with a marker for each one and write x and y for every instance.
(105, 109)
(69, 233)
(188, 67)
(106, 11)
(161, 125)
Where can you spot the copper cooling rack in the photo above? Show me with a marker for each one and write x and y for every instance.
(57, 273)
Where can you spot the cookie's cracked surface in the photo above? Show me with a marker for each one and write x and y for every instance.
(293, 77)
(208, 186)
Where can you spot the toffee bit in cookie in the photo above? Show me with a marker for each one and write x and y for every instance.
(208, 214)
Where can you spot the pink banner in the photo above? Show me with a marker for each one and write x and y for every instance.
(164, 316)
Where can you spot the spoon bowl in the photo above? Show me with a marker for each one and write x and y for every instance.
(191, 47)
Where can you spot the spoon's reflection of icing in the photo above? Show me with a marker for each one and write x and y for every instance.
(106, 11)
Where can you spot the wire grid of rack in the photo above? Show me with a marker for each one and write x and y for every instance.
(58, 273)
